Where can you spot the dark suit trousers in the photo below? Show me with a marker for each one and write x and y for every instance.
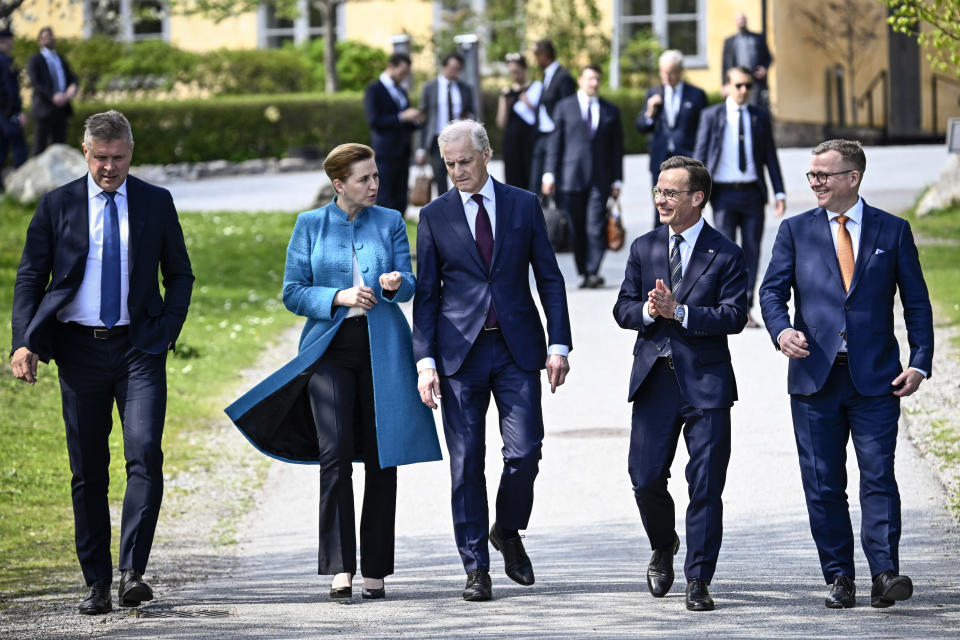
(394, 173)
(51, 129)
(660, 412)
(588, 211)
(439, 169)
(489, 368)
(341, 397)
(93, 374)
(12, 140)
(823, 423)
(538, 160)
(743, 209)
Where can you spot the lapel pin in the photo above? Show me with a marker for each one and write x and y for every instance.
(709, 250)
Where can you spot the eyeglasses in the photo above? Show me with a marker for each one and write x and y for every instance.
(741, 85)
(822, 176)
(669, 194)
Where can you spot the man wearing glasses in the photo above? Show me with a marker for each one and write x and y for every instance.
(683, 292)
(735, 142)
(843, 262)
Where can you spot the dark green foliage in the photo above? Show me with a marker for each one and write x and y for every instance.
(249, 71)
(357, 63)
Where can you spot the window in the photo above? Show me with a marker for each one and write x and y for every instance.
(275, 31)
(678, 24)
(126, 19)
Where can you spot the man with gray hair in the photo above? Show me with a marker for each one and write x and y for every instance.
(671, 116)
(477, 332)
(87, 295)
(843, 262)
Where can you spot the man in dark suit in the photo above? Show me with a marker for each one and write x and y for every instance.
(671, 115)
(735, 141)
(683, 292)
(557, 85)
(12, 119)
(54, 86)
(749, 50)
(585, 155)
(444, 99)
(477, 332)
(392, 121)
(843, 262)
(87, 296)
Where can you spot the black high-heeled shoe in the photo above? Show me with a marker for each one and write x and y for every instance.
(342, 592)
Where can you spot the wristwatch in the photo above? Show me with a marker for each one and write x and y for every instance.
(679, 313)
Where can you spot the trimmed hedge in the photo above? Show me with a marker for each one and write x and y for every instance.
(240, 128)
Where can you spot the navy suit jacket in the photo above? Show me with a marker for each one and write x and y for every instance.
(761, 52)
(389, 136)
(55, 257)
(804, 263)
(684, 130)
(454, 287)
(577, 161)
(561, 85)
(713, 122)
(430, 105)
(714, 288)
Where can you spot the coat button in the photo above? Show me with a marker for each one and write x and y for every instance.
(365, 269)
(847, 307)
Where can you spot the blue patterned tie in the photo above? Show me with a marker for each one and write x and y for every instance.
(110, 264)
(676, 277)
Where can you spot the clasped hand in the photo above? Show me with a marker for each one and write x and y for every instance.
(661, 301)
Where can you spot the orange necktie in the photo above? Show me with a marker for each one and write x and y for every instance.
(845, 252)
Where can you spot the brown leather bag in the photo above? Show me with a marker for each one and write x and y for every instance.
(616, 234)
(421, 190)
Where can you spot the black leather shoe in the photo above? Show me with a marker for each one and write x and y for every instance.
(698, 597)
(478, 587)
(888, 587)
(97, 600)
(373, 594)
(594, 282)
(341, 592)
(516, 562)
(842, 594)
(133, 590)
(660, 569)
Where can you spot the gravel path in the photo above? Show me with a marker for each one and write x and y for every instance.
(586, 540)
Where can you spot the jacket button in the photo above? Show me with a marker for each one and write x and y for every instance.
(847, 307)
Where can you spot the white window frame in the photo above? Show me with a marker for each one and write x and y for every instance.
(301, 30)
(658, 20)
(126, 31)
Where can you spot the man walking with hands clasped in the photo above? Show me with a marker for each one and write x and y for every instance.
(843, 262)
(684, 292)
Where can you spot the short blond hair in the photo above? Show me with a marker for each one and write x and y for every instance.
(339, 163)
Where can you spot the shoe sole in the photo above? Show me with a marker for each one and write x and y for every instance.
(341, 595)
(135, 595)
(700, 607)
(374, 594)
(96, 612)
(899, 590)
(830, 604)
(477, 598)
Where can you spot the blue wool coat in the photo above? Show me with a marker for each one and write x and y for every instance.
(275, 415)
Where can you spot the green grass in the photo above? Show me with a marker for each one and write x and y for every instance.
(938, 237)
(236, 309)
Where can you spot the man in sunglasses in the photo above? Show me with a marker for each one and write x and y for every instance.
(843, 263)
(735, 142)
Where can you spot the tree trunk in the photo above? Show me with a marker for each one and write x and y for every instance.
(331, 82)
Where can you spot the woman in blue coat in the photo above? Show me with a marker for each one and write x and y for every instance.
(351, 392)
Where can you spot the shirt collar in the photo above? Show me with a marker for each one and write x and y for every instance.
(854, 213)
(387, 81)
(584, 98)
(690, 235)
(551, 69)
(486, 191)
(732, 106)
(677, 89)
(94, 190)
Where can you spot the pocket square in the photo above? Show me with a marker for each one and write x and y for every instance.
(878, 252)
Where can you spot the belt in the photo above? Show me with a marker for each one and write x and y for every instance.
(667, 360)
(356, 319)
(842, 359)
(100, 333)
(737, 186)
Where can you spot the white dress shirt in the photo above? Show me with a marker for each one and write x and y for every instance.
(444, 117)
(395, 93)
(56, 69)
(471, 208)
(729, 168)
(85, 307)
(686, 250)
(546, 122)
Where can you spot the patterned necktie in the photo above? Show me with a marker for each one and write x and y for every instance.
(676, 265)
(484, 238)
(110, 263)
(741, 145)
(845, 252)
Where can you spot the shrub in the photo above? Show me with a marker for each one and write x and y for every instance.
(251, 71)
(357, 63)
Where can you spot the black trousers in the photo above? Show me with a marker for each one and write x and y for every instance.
(588, 211)
(51, 129)
(741, 208)
(393, 192)
(341, 397)
(439, 168)
(95, 373)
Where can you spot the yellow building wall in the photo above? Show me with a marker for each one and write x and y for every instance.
(374, 21)
(201, 34)
(64, 17)
(719, 16)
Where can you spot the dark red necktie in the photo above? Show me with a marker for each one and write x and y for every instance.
(484, 236)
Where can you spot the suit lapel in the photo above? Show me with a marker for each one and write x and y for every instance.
(756, 138)
(870, 224)
(78, 220)
(700, 258)
(823, 236)
(136, 220)
(504, 214)
(456, 217)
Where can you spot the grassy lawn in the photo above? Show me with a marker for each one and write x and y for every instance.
(236, 309)
(938, 237)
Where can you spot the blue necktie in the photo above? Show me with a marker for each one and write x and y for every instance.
(110, 264)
